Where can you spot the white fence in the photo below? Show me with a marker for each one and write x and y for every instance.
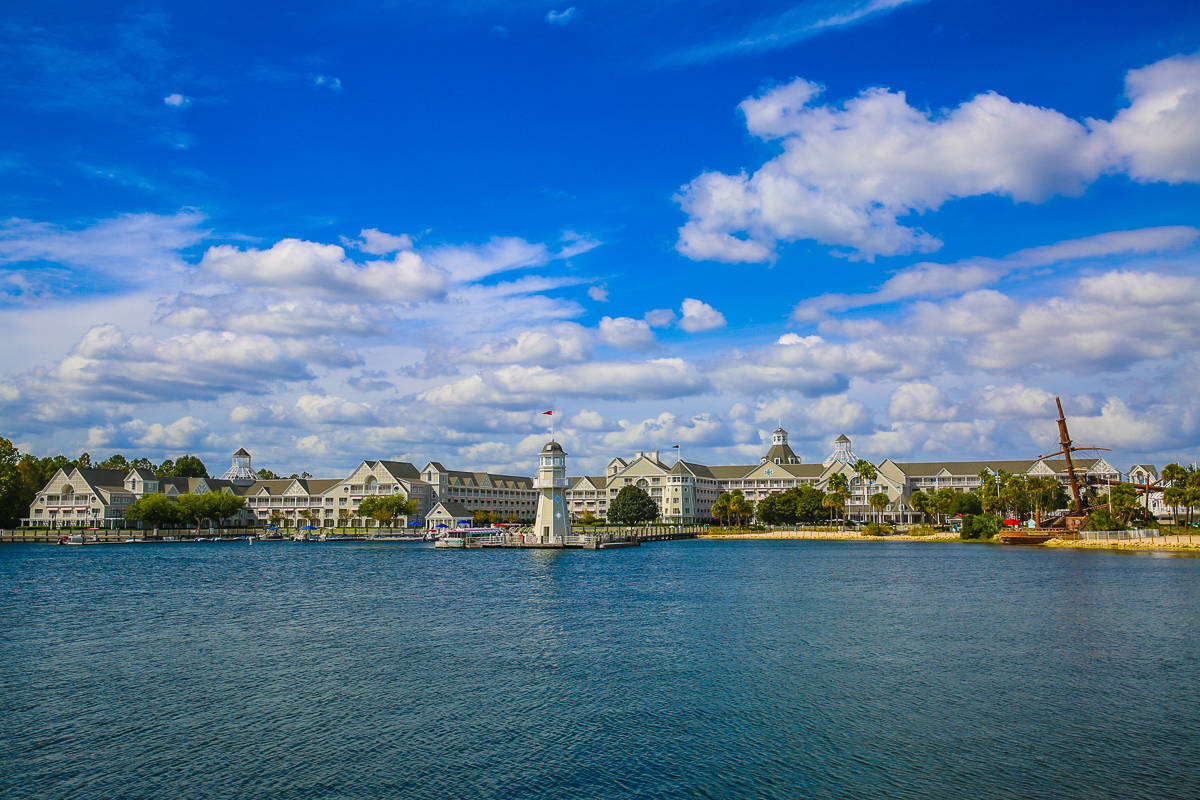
(1121, 536)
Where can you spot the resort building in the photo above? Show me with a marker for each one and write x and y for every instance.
(1147, 475)
(99, 497)
(506, 496)
(684, 491)
(333, 502)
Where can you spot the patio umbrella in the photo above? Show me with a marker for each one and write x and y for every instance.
(1012, 522)
(414, 523)
(442, 525)
(309, 528)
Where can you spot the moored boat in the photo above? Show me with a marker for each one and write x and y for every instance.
(1027, 537)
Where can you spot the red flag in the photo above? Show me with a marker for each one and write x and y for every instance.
(547, 412)
(674, 447)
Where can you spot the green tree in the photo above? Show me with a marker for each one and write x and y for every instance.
(879, 502)
(942, 501)
(990, 491)
(632, 506)
(839, 484)
(1174, 477)
(966, 503)
(720, 509)
(370, 506)
(808, 504)
(587, 518)
(192, 508)
(267, 475)
(920, 502)
(226, 505)
(1046, 494)
(832, 501)
(386, 508)
(12, 507)
(980, 526)
(1103, 520)
(1175, 496)
(155, 510)
(189, 467)
(837, 500)
(115, 461)
(776, 509)
(739, 506)
(276, 518)
(1192, 496)
(1122, 501)
(865, 471)
(481, 518)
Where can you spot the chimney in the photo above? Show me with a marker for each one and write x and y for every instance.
(654, 455)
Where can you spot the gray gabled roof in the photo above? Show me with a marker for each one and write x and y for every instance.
(486, 480)
(782, 452)
(584, 482)
(802, 470)
(401, 469)
(95, 477)
(274, 486)
(453, 508)
(732, 471)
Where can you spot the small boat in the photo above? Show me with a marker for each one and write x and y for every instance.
(1027, 537)
(78, 539)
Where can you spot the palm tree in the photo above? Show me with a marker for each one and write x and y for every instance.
(866, 473)
(831, 501)
(1192, 497)
(879, 502)
(1176, 477)
(720, 509)
(740, 506)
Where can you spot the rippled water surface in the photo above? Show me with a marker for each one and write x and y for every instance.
(686, 669)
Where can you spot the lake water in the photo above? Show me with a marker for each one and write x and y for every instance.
(686, 669)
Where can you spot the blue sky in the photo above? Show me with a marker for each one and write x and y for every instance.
(402, 229)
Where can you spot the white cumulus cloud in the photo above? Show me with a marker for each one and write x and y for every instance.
(848, 173)
(696, 316)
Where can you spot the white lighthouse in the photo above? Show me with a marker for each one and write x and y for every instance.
(551, 526)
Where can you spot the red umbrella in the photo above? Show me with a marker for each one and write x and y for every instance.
(1012, 522)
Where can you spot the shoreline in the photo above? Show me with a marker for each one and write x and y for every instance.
(1142, 545)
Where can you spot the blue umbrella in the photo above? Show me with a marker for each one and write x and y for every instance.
(442, 525)
(271, 528)
(309, 528)
(414, 523)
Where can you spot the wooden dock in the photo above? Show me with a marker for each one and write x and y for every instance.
(607, 539)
